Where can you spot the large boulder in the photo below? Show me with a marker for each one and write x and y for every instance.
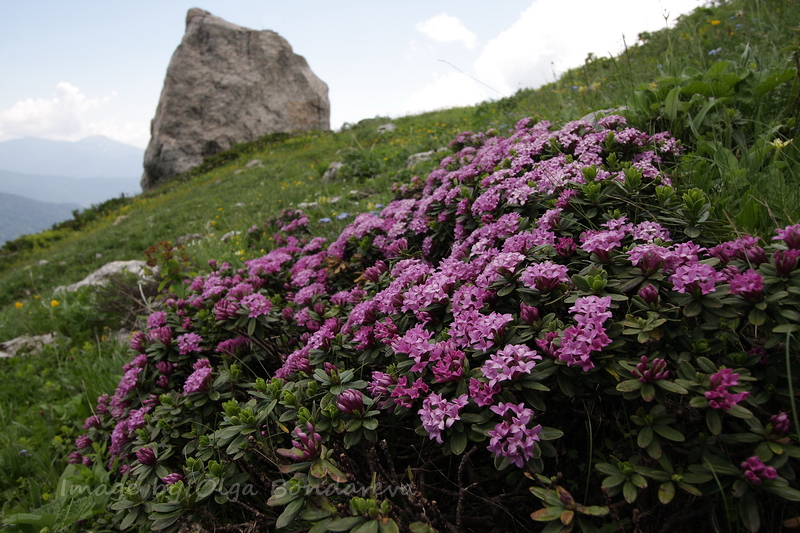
(227, 84)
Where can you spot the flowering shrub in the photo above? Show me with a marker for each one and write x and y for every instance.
(545, 311)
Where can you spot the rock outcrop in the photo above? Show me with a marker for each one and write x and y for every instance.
(227, 84)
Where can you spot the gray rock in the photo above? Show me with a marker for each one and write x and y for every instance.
(391, 126)
(255, 163)
(332, 172)
(25, 344)
(102, 274)
(227, 84)
(415, 159)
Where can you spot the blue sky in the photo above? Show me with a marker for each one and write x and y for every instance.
(91, 67)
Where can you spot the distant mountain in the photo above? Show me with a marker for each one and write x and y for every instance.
(60, 189)
(21, 216)
(92, 157)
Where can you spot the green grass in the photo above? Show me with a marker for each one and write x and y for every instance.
(735, 159)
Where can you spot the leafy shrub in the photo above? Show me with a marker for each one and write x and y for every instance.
(359, 166)
(551, 333)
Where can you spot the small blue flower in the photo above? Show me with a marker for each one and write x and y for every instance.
(342, 216)
(574, 87)
(715, 51)
(379, 206)
(325, 220)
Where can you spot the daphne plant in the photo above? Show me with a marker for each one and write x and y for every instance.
(533, 292)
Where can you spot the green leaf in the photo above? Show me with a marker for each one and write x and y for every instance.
(390, 526)
(550, 433)
(346, 523)
(547, 514)
(290, 513)
(629, 385)
(614, 480)
(748, 511)
(671, 386)
(458, 442)
(713, 421)
(671, 105)
(645, 437)
(666, 492)
(648, 392)
(669, 433)
(773, 81)
(629, 492)
(787, 493)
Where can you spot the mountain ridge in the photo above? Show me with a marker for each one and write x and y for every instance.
(91, 157)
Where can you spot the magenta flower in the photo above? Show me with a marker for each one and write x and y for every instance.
(544, 276)
(755, 471)
(789, 235)
(695, 278)
(512, 438)
(307, 445)
(138, 341)
(189, 342)
(162, 335)
(404, 396)
(92, 422)
(75, 458)
(510, 363)
(146, 456)
(649, 371)
(437, 414)
(719, 397)
(225, 309)
(83, 441)
(173, 478)
(450, 367)
(786, 261)
(156, 320)
(649, 294)
(351, 402)
(602, 243)
(198, 380)
(780, 423)
(482, 392)
(258, 304)
(749, 285)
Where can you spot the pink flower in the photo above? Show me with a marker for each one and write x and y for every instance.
(189, 342)
(258, 305)
(173, 478)
(512, 438)
(156, 320)
(510, 363)
(438, 414)
(755, 471)
(198, 380)
(649, 371)
(749, 285)
(544, 276)
(789, 235)
(719, 397)
(696, 279)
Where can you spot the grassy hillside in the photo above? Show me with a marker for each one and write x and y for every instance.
(723, 81)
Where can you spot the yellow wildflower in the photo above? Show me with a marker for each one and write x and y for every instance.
(18, 305)
(715, 22)
(54, 303)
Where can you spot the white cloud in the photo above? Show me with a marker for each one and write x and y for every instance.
(451, 90)
(552, 36)
(443, 28)
(68, 116)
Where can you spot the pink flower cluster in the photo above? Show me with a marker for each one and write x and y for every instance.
(437, 414)
(512, 438)
(719, 397)
(755, 471)
(579, 341)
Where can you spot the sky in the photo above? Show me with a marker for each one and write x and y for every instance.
(94, 67)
